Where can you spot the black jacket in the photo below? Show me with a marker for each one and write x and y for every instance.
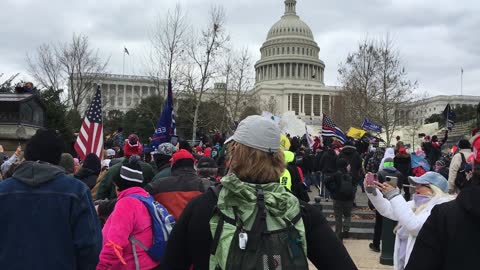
(87, 176)
(450, 237)
(298, 188)
(403, 164)
(334, 183)
(351, 155)
(328, 162)
(191, 238)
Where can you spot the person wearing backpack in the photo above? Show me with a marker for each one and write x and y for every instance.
(251, 221)
(455, 178)
(342, 186)
(129, 228)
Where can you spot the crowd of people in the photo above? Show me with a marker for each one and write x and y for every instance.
(235, 203)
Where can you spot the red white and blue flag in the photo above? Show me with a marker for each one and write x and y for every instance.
(90, 137)
(329, 129)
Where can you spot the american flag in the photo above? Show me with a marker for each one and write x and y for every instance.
(329, 129)
(90, 138)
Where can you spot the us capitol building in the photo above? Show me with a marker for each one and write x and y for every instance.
(290, 75)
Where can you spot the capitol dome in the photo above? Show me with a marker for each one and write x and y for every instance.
(290, 51)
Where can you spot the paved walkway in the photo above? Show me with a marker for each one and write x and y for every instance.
(364, 258)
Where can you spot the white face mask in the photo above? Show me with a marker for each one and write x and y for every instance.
(421, 199)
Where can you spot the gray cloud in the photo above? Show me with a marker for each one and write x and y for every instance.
(435, 37)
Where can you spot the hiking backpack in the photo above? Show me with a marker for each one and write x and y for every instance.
(461, 178)
(345, 187)
(162, 224)
(257, 248)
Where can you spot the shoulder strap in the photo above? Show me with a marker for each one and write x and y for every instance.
(216, 189)
(463, 157)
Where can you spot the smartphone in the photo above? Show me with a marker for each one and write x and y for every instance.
(371, 179)
(392, 180)
(174, 140)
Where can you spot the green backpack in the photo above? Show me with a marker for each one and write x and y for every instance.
(256, 239)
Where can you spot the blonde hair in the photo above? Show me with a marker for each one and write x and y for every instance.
(255, 166)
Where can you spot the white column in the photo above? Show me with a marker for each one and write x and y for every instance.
(321, 104)
(311, 104)
(303, 104)
(330, 104)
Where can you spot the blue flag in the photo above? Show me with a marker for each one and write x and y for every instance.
(369, 125)
(166, 123)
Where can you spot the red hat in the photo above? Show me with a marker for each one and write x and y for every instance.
(402, 150)
(132, 146)
(181, 154)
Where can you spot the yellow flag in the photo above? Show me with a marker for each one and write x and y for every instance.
(355, 133)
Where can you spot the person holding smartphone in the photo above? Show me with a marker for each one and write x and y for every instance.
(430, 189)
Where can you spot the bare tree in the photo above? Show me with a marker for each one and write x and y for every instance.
(375, 85)
(45, 67)
(74, 65)
(395, 88)
(168, 40)
(358, 76)
(242, 81)
(82, 67)
(203, 52)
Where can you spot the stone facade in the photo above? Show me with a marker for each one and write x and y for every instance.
(124, 92)
(418, 112)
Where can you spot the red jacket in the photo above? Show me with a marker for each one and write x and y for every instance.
(175, 191)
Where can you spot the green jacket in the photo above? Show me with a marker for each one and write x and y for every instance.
(106, 189)
(163, 173)
(280, 204)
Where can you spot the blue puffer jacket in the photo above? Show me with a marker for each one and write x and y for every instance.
(48, 220)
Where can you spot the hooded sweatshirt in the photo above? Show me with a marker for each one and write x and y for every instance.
(449, 238)
(389, 153)
(351, 155)
(53, 217)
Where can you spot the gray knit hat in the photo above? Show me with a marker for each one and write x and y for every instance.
(257, 132)
(131, 174)
(166, 149)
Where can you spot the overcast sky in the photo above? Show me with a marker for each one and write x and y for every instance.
(435, 37)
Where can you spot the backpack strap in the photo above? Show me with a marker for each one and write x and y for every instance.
(216, 237)
(134, 242)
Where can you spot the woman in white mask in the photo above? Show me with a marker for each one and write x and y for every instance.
(430, 189)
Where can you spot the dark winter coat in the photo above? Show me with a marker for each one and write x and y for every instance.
(449, 239)
(351, 155)
(402, 163)
(191, 239)
(87, 176)
(175, 191)
(298, 188)
(328, 162)
(334, 183)
(374, 162)
(48, 220)
(317, 158)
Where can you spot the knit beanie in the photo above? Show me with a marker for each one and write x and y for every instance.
(45, 146)
(66, 162)
(464, 144)
(92, 162)
(132, 146)
(131, 174)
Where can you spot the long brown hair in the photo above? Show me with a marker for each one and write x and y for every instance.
(255, 166)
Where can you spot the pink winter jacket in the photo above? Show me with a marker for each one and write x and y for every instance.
(130, 217)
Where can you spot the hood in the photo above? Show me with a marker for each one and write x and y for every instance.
(35, 173)
(348, 150)
(289, 156)
(278, 200)
(469, 200)
(389, 153)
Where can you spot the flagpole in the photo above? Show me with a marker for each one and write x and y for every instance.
(123, 67)
(461, 83)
